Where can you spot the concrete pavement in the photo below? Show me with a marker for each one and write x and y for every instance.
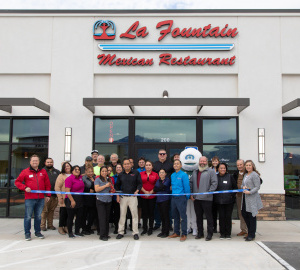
(150, 252)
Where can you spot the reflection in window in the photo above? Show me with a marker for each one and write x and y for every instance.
(219, 130)
(21, 155)
(165, 130)
(4, 130)
(3, 202)
(107, 149)
(30, 130)
(226, 153)
(291, 158)
(17, 203)
(291, 131)
(4, 150)
(111, 130)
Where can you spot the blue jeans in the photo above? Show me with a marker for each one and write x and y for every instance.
(179, 204)
(33, 206)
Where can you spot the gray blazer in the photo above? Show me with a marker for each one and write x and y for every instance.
(252, 200)
(208, 182)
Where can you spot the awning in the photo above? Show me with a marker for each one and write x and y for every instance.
(240, 103)
(7, 103)
(291, 105)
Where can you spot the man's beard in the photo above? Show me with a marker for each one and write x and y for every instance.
(49, 167)
(201, 169)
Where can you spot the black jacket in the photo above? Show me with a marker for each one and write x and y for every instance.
(88, 200)
(167, 166)
(53, 174)
(225, 182)
(130, 182)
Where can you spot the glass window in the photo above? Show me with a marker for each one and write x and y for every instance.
(108, 149)
(111, 130)
(30, 130)
(4, 130)
(165, 130)
(17, 203)
(4, 150)
(21, 155)
(3, 201)
(219, 130)
(291, 158)
(226, 153)
(291, 131)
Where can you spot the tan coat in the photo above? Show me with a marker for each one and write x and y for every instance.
(60, 186)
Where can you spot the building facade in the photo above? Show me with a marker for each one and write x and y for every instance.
(98, 79)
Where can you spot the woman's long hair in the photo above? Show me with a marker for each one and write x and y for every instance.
(102, 178)
(253, 166)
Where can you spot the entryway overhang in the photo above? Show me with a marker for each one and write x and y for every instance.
(291, 105)
(199, 103)
(6, 104)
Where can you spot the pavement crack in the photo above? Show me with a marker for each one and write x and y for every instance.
(118, 267)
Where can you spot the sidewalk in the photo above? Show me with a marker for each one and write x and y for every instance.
(150, 252)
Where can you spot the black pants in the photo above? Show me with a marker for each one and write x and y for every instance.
(215, 215)
(103, 210)
(204, 207)
(225, 218)
(63, 216)
(89, 215)
(148, 207)
(249, 219)
(78, 222)
(164, 208)
(116, 214)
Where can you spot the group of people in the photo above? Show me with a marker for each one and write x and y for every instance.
(159, 191)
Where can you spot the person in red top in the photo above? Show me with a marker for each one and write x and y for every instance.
(149, 179)
(29, 179)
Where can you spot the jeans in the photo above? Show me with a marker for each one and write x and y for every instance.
(33, 206)
(179, 213)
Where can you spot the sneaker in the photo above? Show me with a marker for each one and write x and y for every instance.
(119, 236)
(39, 235)
(195, 232)
(27, 237)
(136, 237)
(222, 237)
(79, 234)
(228, 237)
(71, 235)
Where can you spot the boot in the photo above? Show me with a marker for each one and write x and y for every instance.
(61, 231)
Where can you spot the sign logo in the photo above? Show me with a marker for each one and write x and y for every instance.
(104, 25)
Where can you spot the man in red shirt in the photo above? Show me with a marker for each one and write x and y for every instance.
(29, 179)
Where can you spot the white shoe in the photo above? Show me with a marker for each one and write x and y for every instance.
(195, 232)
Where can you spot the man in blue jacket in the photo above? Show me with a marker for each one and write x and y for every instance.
(180, 185)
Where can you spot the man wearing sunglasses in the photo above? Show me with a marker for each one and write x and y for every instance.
(162, 163)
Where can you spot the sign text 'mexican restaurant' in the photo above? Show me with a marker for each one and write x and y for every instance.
(106, 30)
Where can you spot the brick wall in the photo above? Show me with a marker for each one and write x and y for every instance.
(274, 207)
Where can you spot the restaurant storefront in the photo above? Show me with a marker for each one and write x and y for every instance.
(133, 82)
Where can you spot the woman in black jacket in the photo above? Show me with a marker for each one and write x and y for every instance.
(225, 201)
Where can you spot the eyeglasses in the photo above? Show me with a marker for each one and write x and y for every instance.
(162, 154)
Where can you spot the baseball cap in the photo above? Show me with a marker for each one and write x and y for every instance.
(95, 151)
(88, 158)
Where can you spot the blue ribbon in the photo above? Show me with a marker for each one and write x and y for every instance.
(125, 194)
